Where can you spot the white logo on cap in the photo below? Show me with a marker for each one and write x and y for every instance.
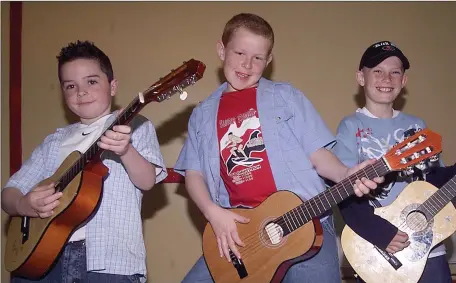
(381, 44)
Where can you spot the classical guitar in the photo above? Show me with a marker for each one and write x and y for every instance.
(284, 230)
(425, 213)
(34, 244)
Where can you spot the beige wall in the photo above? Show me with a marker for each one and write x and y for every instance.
(318, 47)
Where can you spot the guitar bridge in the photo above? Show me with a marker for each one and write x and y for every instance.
(239, 265)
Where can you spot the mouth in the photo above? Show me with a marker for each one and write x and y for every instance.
(385, 89)
(85, 102)
(242, 76)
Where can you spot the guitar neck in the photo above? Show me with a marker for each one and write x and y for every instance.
(439, 199)
(94, 151)
(324, 201)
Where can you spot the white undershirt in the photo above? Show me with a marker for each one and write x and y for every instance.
(366, 112)
(80, 139)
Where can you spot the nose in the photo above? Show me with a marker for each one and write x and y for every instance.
(387, 77)
(82, 92)
(247, 63)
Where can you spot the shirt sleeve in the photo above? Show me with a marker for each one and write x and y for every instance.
(188, 158)
(311, 130)
(439, 176)
(144, 140)
(32, 170)
(357, 213)
(346, 148)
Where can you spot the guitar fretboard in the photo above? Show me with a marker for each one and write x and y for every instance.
(94, 150)
(324, 201)
(439, 199)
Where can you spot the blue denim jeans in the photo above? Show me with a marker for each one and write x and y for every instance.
(72, 268)
(436, 270)
(321, 268)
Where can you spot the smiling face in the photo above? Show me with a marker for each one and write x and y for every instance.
(384, 82)
(86, 89)
(245, 57)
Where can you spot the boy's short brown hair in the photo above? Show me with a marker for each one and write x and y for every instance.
(253, 23)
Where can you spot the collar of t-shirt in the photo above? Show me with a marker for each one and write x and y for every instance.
(82, 137)
(366, 112)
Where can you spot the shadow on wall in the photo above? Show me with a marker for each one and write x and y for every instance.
(171, 129)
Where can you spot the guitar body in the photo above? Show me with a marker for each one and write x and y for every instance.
(264, 261)
(372, 267)
(47, 237)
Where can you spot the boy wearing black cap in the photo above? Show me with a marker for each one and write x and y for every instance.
(370, 132)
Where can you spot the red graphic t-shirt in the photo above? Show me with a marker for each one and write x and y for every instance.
(244, 164)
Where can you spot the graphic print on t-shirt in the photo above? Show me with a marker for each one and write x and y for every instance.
(244, 164)
(238, 144)
(372, 146)
(240, 150)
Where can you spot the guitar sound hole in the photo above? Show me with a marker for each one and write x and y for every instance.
(416, 221)
(274, 233)
(271, 235)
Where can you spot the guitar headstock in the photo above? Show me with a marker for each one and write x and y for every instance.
(176, 81)
(419, 147)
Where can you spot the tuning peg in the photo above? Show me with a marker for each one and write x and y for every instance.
(141, 97)
(183, 95)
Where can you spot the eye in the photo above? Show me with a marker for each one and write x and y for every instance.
(69, 86)
(239, 53)
(92, 82)
(259, 58)
(377, 71)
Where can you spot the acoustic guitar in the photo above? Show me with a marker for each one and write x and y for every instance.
(284, 230)
(33, 244)
(422, 211)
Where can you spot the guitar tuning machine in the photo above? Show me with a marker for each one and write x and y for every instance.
(434, 158)
(421, 165)
(183, 94)
(406, 172)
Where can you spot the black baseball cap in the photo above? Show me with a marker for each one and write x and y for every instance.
(379, 51)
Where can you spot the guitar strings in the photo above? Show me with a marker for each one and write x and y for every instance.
(79, 164)
(249, 250)
(253, 249)
(414, 219)
(252, 238)
(308, 204)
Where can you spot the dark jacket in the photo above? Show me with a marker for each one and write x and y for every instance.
(359, 215)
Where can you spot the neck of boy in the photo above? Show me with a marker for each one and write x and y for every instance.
(380, 110)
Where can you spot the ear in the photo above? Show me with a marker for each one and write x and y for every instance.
(360, 78)
(113, 87)
(404, 80)
(269, 59)
(220, 50)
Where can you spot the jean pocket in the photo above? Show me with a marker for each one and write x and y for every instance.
(328, 225)
(135, 278)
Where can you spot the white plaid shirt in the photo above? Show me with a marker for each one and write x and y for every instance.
(114, 238)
